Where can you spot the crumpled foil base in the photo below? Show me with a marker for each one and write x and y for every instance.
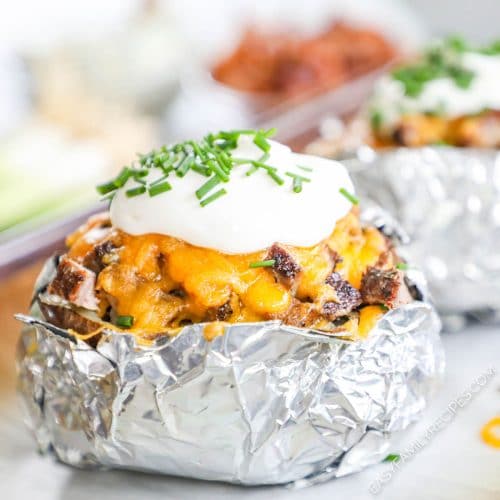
(448, 201)
(263, 404)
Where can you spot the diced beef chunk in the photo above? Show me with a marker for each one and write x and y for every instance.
(384, 286)
(301, 314)
(284, 266)
(221, 313)
(96, 259)
(66, 318)
(224, 312)
(348, 298)
(75, 283)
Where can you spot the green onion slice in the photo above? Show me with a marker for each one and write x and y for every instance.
(124, 321)
(262, 263)
(353, 199)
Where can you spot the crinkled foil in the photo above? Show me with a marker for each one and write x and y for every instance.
(263, 404)
(448, 201)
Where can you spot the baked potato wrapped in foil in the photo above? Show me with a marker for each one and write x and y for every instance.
(287, 363)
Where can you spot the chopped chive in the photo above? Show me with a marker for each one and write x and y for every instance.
(297, 185)
(226, 167)
(264, 158)
(261, 142)
(213, 197)
(109, 196)
(161, 187)
(208, 186)
(124, 321)
(276, 178)
(402, 266)
(123, 177)
(264, 166)
(135, 191)
(251, 170)
(106, 188)
(225, 161)
(270, 132)
(296, 176)
(215, 167)
(168, 164)
(241, 161)
(392, 457)
(199, 152)
(353, 199)
(184, 166)
(306, 169)
(139, 173)
(262, 263)
(200, 169)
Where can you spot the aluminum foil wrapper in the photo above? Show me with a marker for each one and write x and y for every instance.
(448, 202)
(263, 404)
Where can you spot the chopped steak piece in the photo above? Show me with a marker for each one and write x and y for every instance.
(66, 318)
(98, 258)
(224, 311)
(348, 298)
(384, 286)
(75, 283)
(284, 266)
(301, 315)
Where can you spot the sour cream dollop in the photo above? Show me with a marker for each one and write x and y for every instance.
(255, 213)
(442, 95)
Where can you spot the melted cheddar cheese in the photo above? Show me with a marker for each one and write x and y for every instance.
(165, 283)
(480, 130)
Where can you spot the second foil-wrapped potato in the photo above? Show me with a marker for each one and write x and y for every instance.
(447, 95)
(231, 305)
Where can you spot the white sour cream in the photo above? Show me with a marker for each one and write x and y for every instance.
(255, 213)
(442, 95)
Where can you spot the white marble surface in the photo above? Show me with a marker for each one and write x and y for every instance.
(455, 464)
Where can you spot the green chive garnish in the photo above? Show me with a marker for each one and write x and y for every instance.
(217, 170)
(402, 266)
(208, 186)
(251, 170)
(106, 188)
(200, 169)
(261, 142)
(213, 197)
(135, 191)
(353, 199)
(124, 321)
(275, 177)
(306, 169)
(123, 177)
(392, 457)
(262, 263)
(184, 166)
(210, 157)
(161, 187)
(296, 176)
